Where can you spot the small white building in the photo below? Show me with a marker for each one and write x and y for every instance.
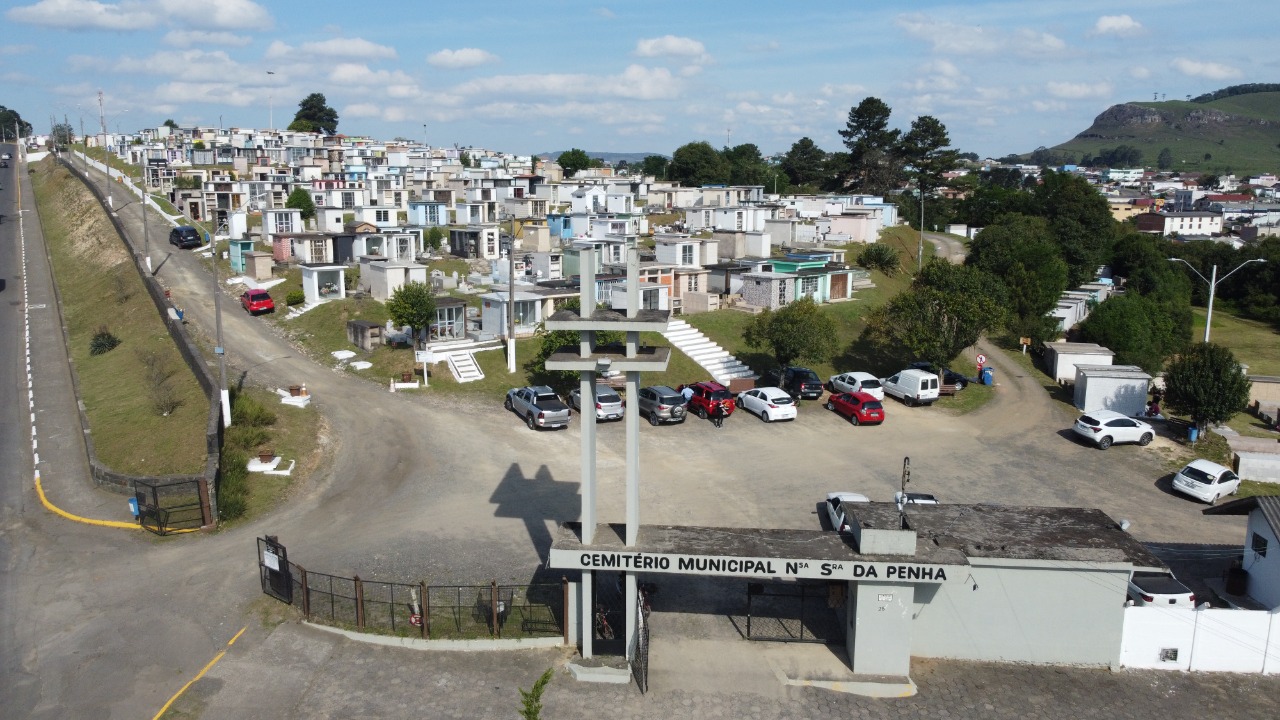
(1061, 358)
(1261, 546)
(385, 278)
(1122, 388)
(322, 282)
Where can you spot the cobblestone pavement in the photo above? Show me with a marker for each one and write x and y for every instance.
(316, 675)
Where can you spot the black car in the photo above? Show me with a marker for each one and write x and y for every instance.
(949, 377)
(798, 382)
(185, 237)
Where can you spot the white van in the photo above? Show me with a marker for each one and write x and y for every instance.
(913, 387)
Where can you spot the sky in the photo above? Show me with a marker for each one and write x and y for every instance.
(1004, 76)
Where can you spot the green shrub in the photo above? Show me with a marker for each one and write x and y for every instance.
(295, 297)
(246, 410)
(245, 437)
(880, 257)
(233, 489)
(103, 342)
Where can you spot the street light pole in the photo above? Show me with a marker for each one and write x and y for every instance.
(1213, 286)
(220, 350)
(920, 249)
(511, 293)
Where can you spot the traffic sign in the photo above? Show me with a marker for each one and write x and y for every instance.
(982, 359)
(415, 620)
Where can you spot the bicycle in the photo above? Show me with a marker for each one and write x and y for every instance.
(603, 629)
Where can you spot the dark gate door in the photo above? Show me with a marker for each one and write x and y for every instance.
(640, 656)
(273, 567)
(795, 612)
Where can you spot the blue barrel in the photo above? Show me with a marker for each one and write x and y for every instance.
(133, 506)
(1193, 433)
(988, 376)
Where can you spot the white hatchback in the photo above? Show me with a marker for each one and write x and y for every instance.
(770, 403)
(851, 382)
(1105, 427)
(1206, 481)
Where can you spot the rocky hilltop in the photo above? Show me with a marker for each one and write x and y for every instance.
(1130, 120)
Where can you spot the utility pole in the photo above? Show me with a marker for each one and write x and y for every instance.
(102, 121)
(511, 295)
(220, 350)
(142, 193)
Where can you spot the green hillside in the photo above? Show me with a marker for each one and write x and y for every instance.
(1239, 134)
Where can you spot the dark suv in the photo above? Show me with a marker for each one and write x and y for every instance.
(798, 382)
(949, 377)
(185, 237)
(708, 395)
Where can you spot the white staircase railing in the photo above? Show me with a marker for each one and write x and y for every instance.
(713, 358)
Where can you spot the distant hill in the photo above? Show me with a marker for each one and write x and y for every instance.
(610, 157)
(1234, 130)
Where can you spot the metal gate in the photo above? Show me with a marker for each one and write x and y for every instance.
(274, 569)
(795, 612)
(608, 613)
(170, 507)
(640, 653)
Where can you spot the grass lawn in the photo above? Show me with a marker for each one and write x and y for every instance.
(100, 288)
(1250, 488)
(293, 436)
(1254, 343)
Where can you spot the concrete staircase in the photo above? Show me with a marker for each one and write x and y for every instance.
(463, 366)
(713, 358)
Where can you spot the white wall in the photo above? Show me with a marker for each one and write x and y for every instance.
(1264, 572)
(1216, 640)
(1150, 629)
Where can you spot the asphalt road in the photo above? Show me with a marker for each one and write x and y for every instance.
(459, 491)
(948, 246)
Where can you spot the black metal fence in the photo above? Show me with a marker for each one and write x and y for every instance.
(460, 612)
(168, 507)
(795, 612)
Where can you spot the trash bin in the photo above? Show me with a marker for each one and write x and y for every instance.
(1193, 433)
(133, 506)
(988, 376)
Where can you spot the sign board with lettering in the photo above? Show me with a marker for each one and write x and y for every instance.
(731, 566)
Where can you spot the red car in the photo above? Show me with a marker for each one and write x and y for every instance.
(708, 395)
(257, 301)
(859, 407)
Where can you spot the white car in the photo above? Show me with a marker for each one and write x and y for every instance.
(837, 512)
(1159, 588)
(913, 498)
(608, 404)
(857, 382)
(1206, 481)
(1104, 427)
(770, 403)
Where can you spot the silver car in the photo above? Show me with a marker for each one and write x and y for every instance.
(661, 404)
(608, 404)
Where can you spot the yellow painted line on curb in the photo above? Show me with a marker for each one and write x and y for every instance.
(88, 521)
(200, 674)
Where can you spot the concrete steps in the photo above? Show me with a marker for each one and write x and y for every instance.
(714, 359)
(464, 367)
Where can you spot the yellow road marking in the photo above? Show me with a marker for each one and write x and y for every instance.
(89, 521)
(200, 674)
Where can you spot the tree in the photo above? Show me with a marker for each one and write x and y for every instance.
(300, 199)
(435, 236)
(1080, 220)
(1164, 160)
(552, 341)
(746, 165)
(413, 305)
(1021, 253)
(697, 163)
(573, 161)
(796, 331)
(170, 124)
(1138, 329)
(464, 159)
(655, 166)
(804, 163)
(315, 115)
(63, 134)
(531, 699)
(880, 257)
(946, 310)
(924, 149)
(873, 165)
(11, 121)
(1207, 384)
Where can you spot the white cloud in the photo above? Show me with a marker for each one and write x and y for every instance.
(361, 110)
(223, 14)
(1139, 72)
(16, 49)
(938, 75)
(836, 90)
(191, 65)
(461, 58)
(394, 83)
(605, 13)
(672, 46)
(183, 93)
(1077, 91)
(765, 47)
(1045, 106)
(84, 15)
(636, 82)
(957, 39)
(356, 48)
(1208, 70)
(187, 38)
(1116, 25)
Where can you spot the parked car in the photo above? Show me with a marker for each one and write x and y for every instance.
(1206, 481)
(661, 404)
(708, 395)
(1159, 588)
(185, 237)
(799, 382)
(4, 163)
(770, 403)
(856, 382)
(912, 387)
(1106, 427)
(861, 408)
(257, 301)
(539, 406)
(838, 511)
(949, 377)
(902, 499)
(608, 404)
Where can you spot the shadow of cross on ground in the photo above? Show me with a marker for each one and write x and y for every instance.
(536, 500)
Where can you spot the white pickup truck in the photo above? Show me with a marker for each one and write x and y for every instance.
(539, 406)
